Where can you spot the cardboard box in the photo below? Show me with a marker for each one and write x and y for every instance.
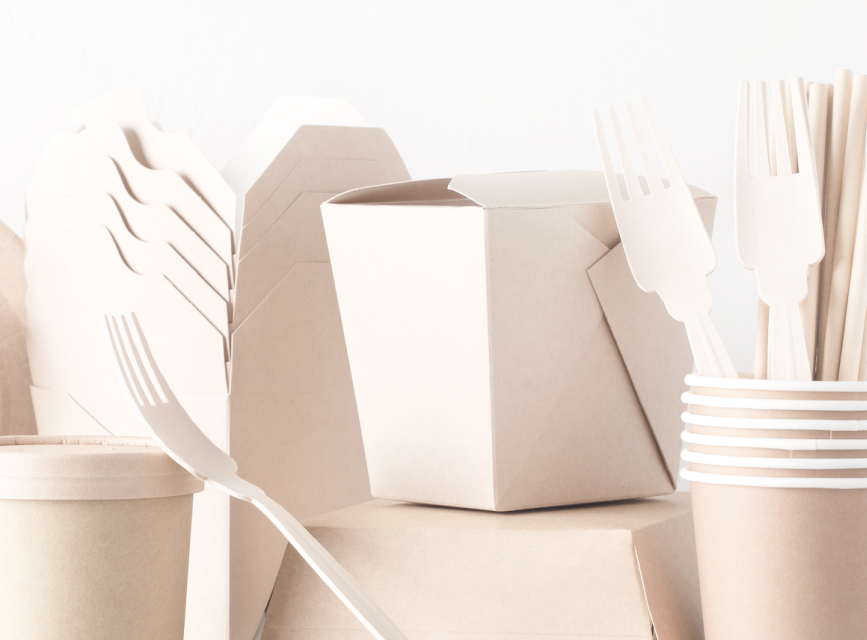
(618, 570)
(124, 217)
(502, 355)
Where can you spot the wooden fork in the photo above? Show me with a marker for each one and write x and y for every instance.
(666, 244)
(179, 437)
(778, 222)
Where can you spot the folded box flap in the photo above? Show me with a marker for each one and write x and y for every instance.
(653, 346)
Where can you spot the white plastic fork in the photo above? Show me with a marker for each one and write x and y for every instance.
(179, 437)
(778, 223)
(666, 244)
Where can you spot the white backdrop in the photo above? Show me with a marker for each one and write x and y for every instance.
(461, 87)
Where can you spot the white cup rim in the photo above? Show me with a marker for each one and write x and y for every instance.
(841, 386)
(730, 422)
(787, 444)
(772, 482)
(772, 404)
(747, 462)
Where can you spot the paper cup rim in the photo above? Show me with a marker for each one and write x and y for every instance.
(747, 462)
(792, 424)
(749, 384)
(788, 444)
(769, 482)
(772, 404)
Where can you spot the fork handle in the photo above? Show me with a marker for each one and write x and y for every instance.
(334, 575)
(787, 346)
(711, 357)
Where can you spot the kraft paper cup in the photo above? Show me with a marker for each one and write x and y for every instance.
(781, 557)
(740, 445)
(95, 534)
(744, 407)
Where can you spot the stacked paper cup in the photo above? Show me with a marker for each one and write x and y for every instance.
(778, 473)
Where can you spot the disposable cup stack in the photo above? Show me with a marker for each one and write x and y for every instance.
(778, 473)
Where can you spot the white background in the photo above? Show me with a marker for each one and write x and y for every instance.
(461, 87)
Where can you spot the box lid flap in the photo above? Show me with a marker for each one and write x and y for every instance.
(532, 189)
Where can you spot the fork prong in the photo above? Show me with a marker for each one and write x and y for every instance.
(152, 391)
(784, 162)
(670, 165)
(654, 182)
(607, 166)
(158, 375)
(760, 117)
(118, 361)
(633, 187)
(131, 376)
(803, 140)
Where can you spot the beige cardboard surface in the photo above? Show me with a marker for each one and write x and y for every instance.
(632, 313)
(294, 421)
(148, 186)
(159, 150)
(482, 357)
(109, 568)
(781, 563)
(16, 406)
(88, 173)
(570, 573)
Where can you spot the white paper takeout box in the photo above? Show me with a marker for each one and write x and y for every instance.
(502, 355)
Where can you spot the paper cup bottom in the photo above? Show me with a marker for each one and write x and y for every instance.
(94, 570)
(781, 563)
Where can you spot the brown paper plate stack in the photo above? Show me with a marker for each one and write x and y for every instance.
(779, 490)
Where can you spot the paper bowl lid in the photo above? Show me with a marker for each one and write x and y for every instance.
(89, 468)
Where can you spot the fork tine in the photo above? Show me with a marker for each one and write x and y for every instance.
(633, 187)
(784, 162)
(164, 385)
(760, 115)
(119, 362)
(143, 398)
(806, 156)
(607, 166)
(654, 183)
(668, 162)
(154, 394)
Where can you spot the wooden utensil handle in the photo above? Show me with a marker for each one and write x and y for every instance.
(787, 348)
(331, 572)
(711, 358)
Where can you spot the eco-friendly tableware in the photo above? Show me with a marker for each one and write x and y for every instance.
(667, 247)
(182, 439)
(778, 223)
(96, 538)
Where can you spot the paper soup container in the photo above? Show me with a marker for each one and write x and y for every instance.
(95, 535)
(786, 561)
(501, 353)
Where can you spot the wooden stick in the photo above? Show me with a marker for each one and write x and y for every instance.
(835, 163)
(818, 113)
(856, 308)
(760, 361)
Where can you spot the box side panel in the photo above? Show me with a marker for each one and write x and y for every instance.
(470, 583)
(567, 425)
(412, 292)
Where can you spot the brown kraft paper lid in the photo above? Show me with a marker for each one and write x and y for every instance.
(89, 468)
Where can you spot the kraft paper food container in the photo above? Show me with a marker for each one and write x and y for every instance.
(783, 560)
(621, 570)
(501, 353)
(96, 539)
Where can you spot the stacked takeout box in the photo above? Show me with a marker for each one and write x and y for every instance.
(475, 343)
